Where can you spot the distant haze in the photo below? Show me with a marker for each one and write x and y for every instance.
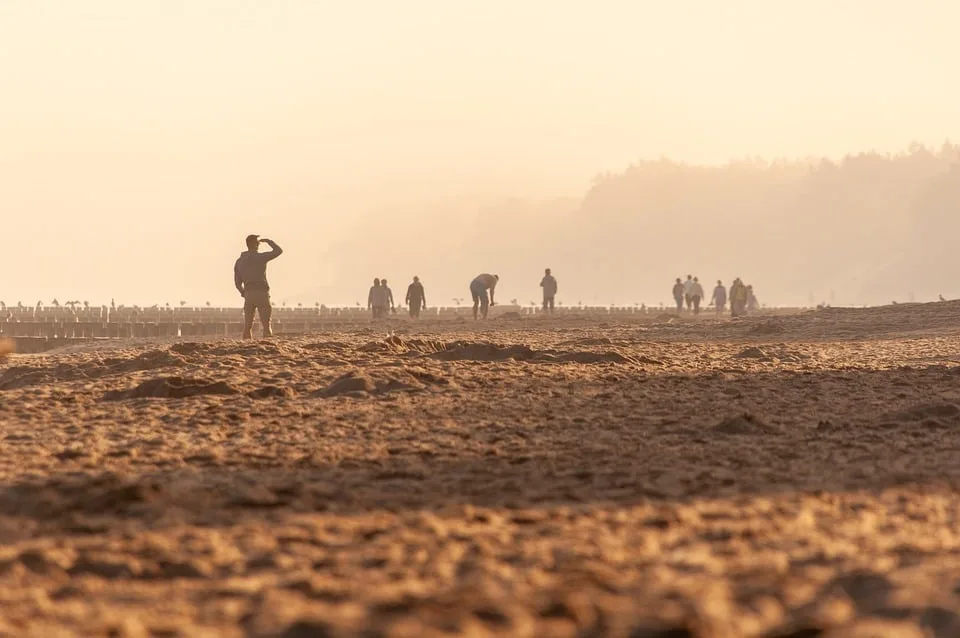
(141, 141)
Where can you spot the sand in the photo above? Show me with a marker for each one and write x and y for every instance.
(791, 476)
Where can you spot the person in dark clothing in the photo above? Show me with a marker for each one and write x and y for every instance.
(696, 295)
(376, 299)
(549, 285)
(738, 298)
(388, 297)
(719, 297)
(678, 294)
(416, 298)
(250, 278)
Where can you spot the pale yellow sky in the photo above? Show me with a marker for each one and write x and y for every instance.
(134, 132)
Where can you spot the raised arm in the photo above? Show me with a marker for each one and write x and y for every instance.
(275, 251)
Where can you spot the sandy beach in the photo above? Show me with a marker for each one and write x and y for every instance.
(789, 476)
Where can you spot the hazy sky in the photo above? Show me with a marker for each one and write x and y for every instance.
(139, 140)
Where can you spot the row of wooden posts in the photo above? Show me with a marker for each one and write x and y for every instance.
(220, 315)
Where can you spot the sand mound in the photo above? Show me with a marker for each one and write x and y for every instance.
(481, 351)
(768, 327)
(430, 379)
(929, 411)
(190, 347)
(771, 354)
(118, 496)
(89, 368)
(592, 357)
(171, 388)
(334, 346)
(352, 382)
(744, 424)
(464, 351)
(271, 392)
(931, 415)
(223, 348)
(151, 360)
(80, 494)
(358, 384)
(22, 376)
(752, 353)
(396, 345)
(588, 341)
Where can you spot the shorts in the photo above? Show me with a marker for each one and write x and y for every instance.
(479, 292)
(256, 300)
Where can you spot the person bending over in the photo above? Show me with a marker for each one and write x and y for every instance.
(478, 289)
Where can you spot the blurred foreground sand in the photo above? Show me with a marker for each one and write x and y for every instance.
(788, 476)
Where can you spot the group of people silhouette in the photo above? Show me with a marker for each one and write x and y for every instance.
(690, 293)
(380, 299)
(250, 278)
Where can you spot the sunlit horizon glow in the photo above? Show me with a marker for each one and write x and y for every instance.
(142, 141)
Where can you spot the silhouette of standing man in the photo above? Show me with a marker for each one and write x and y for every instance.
(388, 296)
(549, 285)
(416, 298)
(250, 277)
(678, 294)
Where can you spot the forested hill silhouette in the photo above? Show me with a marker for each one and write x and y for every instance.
(867, 229)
